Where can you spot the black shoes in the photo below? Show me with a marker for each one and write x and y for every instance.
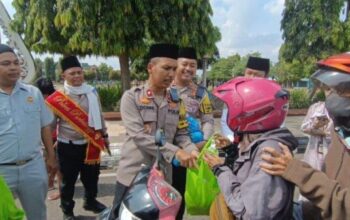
(94, 206)
(68, 216)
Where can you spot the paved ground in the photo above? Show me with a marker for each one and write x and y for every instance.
(107, 178)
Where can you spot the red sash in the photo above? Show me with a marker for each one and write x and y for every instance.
(68, 110)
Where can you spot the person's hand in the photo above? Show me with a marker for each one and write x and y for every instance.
(200, 145)
(213, 160)
(51, 163)
(186, 159)
(221, 141)
(276, 163)
(107, 143)
(321, 122)
(195, 154)
(55, 145)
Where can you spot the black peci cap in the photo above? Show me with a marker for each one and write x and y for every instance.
(163, 50)
(69, 62)
(187, 52)
(258, 63)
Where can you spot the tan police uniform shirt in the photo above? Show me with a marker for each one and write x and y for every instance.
(198, 108)
(142, 116)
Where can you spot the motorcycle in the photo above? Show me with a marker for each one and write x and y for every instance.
(150, 197)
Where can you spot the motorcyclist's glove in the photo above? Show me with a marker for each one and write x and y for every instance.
(230, 153)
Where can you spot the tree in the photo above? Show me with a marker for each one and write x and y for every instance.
(226, 68)
(58, 71)
(114, 74)
(50, 67)
(239, 67)
(312, 30)
(39, 66)
(139, 68)
(110, 28)
(103, 71)
(187, 23)
(89, 75)
(222, 69)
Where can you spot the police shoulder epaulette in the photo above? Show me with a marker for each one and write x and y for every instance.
(200, 92)
(174, 96)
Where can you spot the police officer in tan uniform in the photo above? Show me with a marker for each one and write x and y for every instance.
(144, 109)
(198, 105)
(195, 97)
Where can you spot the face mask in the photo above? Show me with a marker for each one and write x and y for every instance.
(339, 110)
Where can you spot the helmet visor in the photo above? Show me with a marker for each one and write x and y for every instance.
(332, 78)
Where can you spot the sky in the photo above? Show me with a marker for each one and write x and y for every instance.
(246, 26)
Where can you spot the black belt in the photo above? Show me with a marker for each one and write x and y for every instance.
(17, 163)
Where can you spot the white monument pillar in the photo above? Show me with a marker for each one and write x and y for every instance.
(15, 41)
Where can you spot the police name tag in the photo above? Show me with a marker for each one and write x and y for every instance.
(173, 111)
(145, 107)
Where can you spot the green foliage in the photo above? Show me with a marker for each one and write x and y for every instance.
(50, 67)
(139, 68)
(312, 30)
(319, 96)
(299, 98)
(114, 28)
(58, 70)
(89, 74)
(109, 96)
(222, 69)
(187, 23)
(293, 71)
(114, 75)
(34, 20)
(103, 71)
(226, 68)
(239, 67)
(39, 66)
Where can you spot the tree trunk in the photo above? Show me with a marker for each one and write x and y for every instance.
(204, 75)
(124, 71)
(347, 9)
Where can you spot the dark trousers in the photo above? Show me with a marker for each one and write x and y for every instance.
(179, 183)
(71, 162)
(119, 193)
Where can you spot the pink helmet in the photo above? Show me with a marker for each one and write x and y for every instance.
(254, 104)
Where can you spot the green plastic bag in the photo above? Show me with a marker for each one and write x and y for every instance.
(201, 184)
(8, 208)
